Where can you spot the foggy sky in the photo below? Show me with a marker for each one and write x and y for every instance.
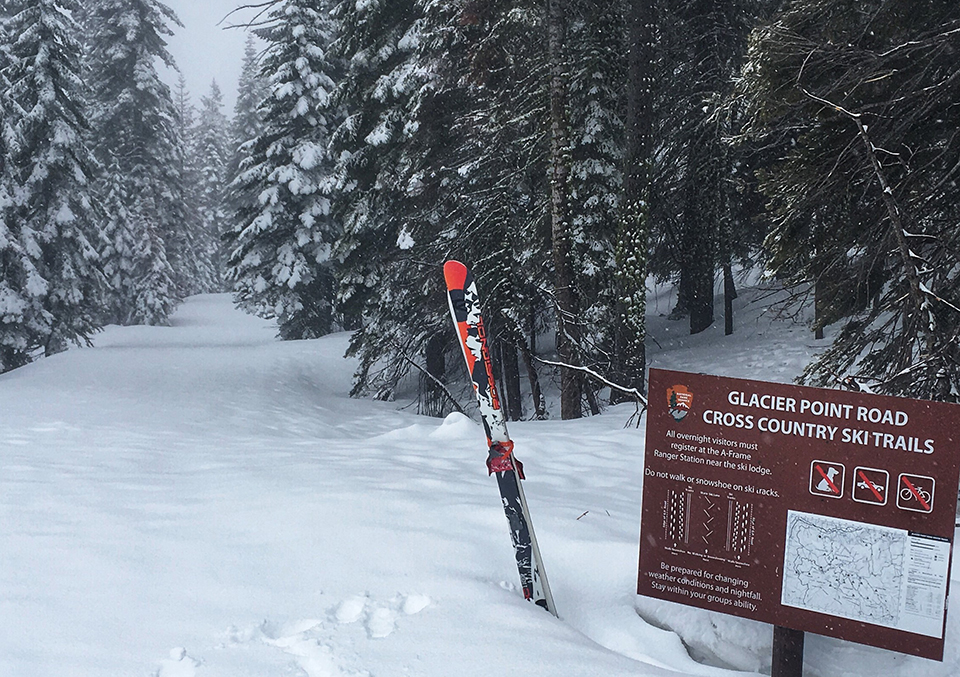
(205, 51)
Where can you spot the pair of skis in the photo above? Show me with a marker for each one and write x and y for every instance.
(465, 308)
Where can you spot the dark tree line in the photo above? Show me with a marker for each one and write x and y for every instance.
(858, 104)
(569, 150)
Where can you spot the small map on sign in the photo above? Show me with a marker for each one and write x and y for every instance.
(843, 568)
(865, 572)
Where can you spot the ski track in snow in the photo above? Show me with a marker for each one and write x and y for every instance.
(202, 500)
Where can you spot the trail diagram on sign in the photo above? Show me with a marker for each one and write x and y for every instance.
(843, 568)
(709, 525)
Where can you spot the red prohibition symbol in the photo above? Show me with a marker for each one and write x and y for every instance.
(826, 479)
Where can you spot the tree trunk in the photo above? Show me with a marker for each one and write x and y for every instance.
(701, 310)
(729, 294)
(819, 305)
(560, 160)
(704, 214)
(532, 318)
(513, 402)
(700, 236)
(539, 402)
(682, 308)
(631, 247)
(591, 396)
(431, 395)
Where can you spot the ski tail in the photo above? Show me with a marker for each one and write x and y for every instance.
(464, 303)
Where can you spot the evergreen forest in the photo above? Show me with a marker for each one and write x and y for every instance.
(570, 152)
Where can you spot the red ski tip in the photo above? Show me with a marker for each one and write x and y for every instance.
(455, 273)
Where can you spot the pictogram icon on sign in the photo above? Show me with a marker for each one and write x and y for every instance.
(915, 492)
(826, 479)
(870, 485)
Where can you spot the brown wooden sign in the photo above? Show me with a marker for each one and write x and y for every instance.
(825, 511)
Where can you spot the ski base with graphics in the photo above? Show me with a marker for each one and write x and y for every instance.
(465, 308)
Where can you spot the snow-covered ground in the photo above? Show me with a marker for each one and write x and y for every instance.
(204, 500)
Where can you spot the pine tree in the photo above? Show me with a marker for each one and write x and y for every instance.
(210, 153)
(443, 159)
(565, 288)
(135, 259)
(195, 267)
(707, 54)
(281, 261)
(246, 126)
(199, 257)
(507, 181)
(597, 43)
(51, 218)
(16, 269)
(247, 123)
(632, 237)
(394, 140)
(497, 209)
(857, 109)
(700, 213)
(134, 123)
(469, 152)
(378, 41)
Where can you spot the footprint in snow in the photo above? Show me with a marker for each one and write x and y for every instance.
(311, 642)
(382, 621)
(179, 664)
(350, 610)
(379, 621)
(318, 660)
(283, 635)
(414, 604)
(303, 640)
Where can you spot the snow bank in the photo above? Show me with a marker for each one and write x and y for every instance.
(202, 500)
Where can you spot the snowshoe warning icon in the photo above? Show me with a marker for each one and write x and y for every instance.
(826, 479)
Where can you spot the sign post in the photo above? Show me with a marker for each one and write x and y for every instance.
(814, 510)
(787, 652)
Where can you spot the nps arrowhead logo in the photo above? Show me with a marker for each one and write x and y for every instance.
(679, 400)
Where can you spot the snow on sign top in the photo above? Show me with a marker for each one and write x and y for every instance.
(770, 501)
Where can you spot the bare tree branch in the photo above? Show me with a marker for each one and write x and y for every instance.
(433, 378)
(262, 7)
(634, 393)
